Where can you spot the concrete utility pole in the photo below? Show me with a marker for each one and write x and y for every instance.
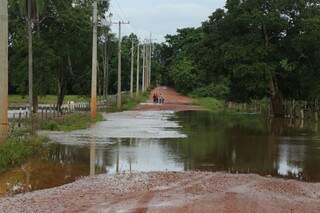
(119, 101)
(143, 67)
(94, 64)
(147, 66)
(132, 67)
(138, 70)
(105, 66)
(150, 59)
(4, 126)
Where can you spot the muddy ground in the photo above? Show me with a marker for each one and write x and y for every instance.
(173, 101)
(172, 192)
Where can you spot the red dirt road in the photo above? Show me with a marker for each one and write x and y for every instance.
(173, 101)
(172, 192)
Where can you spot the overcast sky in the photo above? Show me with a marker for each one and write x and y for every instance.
(161, 17)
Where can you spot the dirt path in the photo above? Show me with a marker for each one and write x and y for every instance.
(172, 192)
(173, 101)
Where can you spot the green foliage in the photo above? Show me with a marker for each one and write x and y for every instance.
(262, 48)
(184, 75)
(219, 91)
(131, 103)
(210, 104)
(70, 122)
(17, 150)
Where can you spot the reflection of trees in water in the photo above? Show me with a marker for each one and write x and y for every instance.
(227, 144)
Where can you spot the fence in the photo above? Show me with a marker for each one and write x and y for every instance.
(17, 115)
(292, 109)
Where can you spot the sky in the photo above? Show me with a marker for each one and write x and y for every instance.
(161, 17)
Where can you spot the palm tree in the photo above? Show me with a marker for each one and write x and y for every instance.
(31, 9)
(3, 69)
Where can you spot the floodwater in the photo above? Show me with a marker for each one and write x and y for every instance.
(167, 141)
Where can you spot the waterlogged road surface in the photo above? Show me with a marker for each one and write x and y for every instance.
(168, 145)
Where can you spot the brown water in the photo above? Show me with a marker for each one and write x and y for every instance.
(215, 142)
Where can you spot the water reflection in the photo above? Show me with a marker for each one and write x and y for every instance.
(232, 143)
(92, 157)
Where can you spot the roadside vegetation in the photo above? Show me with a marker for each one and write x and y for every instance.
(130, 103)
(70, 122)
(210, 104)
(48, 99)
(248, 50)
(16, 150)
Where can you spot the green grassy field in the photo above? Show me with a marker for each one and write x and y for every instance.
(17, 150)
(48, 99)
(70, 122)
(210, 104)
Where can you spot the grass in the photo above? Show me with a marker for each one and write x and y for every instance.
(130, 103)
(70, 122)
(210, 104)
(16, 150)
(48, 99)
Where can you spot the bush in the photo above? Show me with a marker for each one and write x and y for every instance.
(16, 150)
(219, 91)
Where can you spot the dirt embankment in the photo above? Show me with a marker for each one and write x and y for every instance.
(172, 192)
(173, 101)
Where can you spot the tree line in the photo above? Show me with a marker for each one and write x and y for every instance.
(62, 49)
(251, 49)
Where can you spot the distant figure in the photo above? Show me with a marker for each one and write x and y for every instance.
(155, 98)
(161, 99)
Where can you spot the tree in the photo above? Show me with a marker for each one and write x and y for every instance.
(32, 9)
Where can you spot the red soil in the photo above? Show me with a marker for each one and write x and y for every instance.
(173, 101)
(172, 192)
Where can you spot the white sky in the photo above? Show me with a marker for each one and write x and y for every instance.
(161, 17)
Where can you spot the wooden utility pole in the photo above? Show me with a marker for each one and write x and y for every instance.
(138, 70)
(94, 64)
(119, 101)
(4, 126)
(132, 67)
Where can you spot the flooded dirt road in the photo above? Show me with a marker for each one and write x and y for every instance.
(149, 160)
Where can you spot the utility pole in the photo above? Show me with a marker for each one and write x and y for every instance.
(4, 126)
(143, 67)
(147, 64)
(132, 67)
(94, 64)
(150, 59)
(138, 70)
(105, 65)
(106, 56)
(119, 66)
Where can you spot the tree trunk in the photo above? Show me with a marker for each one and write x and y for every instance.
(30, 55)
(62, 84)
(275, 94)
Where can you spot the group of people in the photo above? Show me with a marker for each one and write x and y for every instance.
(158, 98)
